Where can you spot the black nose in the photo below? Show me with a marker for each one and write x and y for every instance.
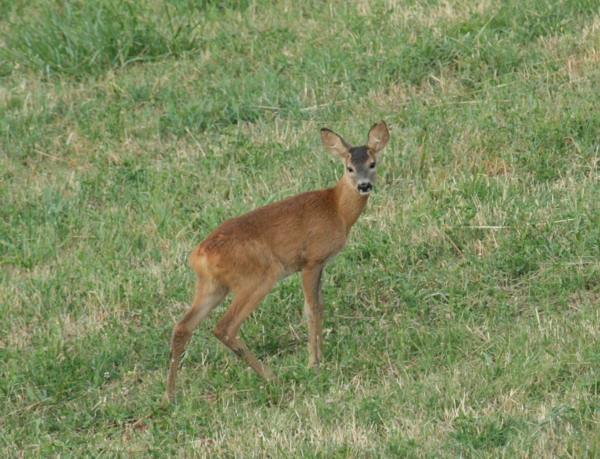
(365, 187)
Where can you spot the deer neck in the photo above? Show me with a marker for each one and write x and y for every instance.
(350, 203)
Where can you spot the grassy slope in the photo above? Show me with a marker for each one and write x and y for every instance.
(462, 319)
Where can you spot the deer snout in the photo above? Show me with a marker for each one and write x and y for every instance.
(365, 187)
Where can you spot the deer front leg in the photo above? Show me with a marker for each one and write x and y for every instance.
(313, 303)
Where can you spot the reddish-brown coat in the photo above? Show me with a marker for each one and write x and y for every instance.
(282, 237)
(249, 253)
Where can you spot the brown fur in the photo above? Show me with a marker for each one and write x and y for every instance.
(250, 253)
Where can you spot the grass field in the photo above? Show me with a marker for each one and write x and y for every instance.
(462, 317)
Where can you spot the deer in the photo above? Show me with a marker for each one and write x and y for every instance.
(248, 254)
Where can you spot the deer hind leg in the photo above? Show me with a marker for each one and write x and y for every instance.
(313, 304)
(244, 302)
(208, 295)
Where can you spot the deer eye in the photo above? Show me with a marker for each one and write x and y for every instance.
(350, 170)
(372, 165)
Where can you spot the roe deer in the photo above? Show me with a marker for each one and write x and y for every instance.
(250, 253)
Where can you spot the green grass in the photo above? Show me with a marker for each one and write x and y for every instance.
(461, 319)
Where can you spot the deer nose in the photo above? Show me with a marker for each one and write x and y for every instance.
(365, 187)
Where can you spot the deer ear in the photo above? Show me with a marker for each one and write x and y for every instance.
(378, 137)
(334, 143)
